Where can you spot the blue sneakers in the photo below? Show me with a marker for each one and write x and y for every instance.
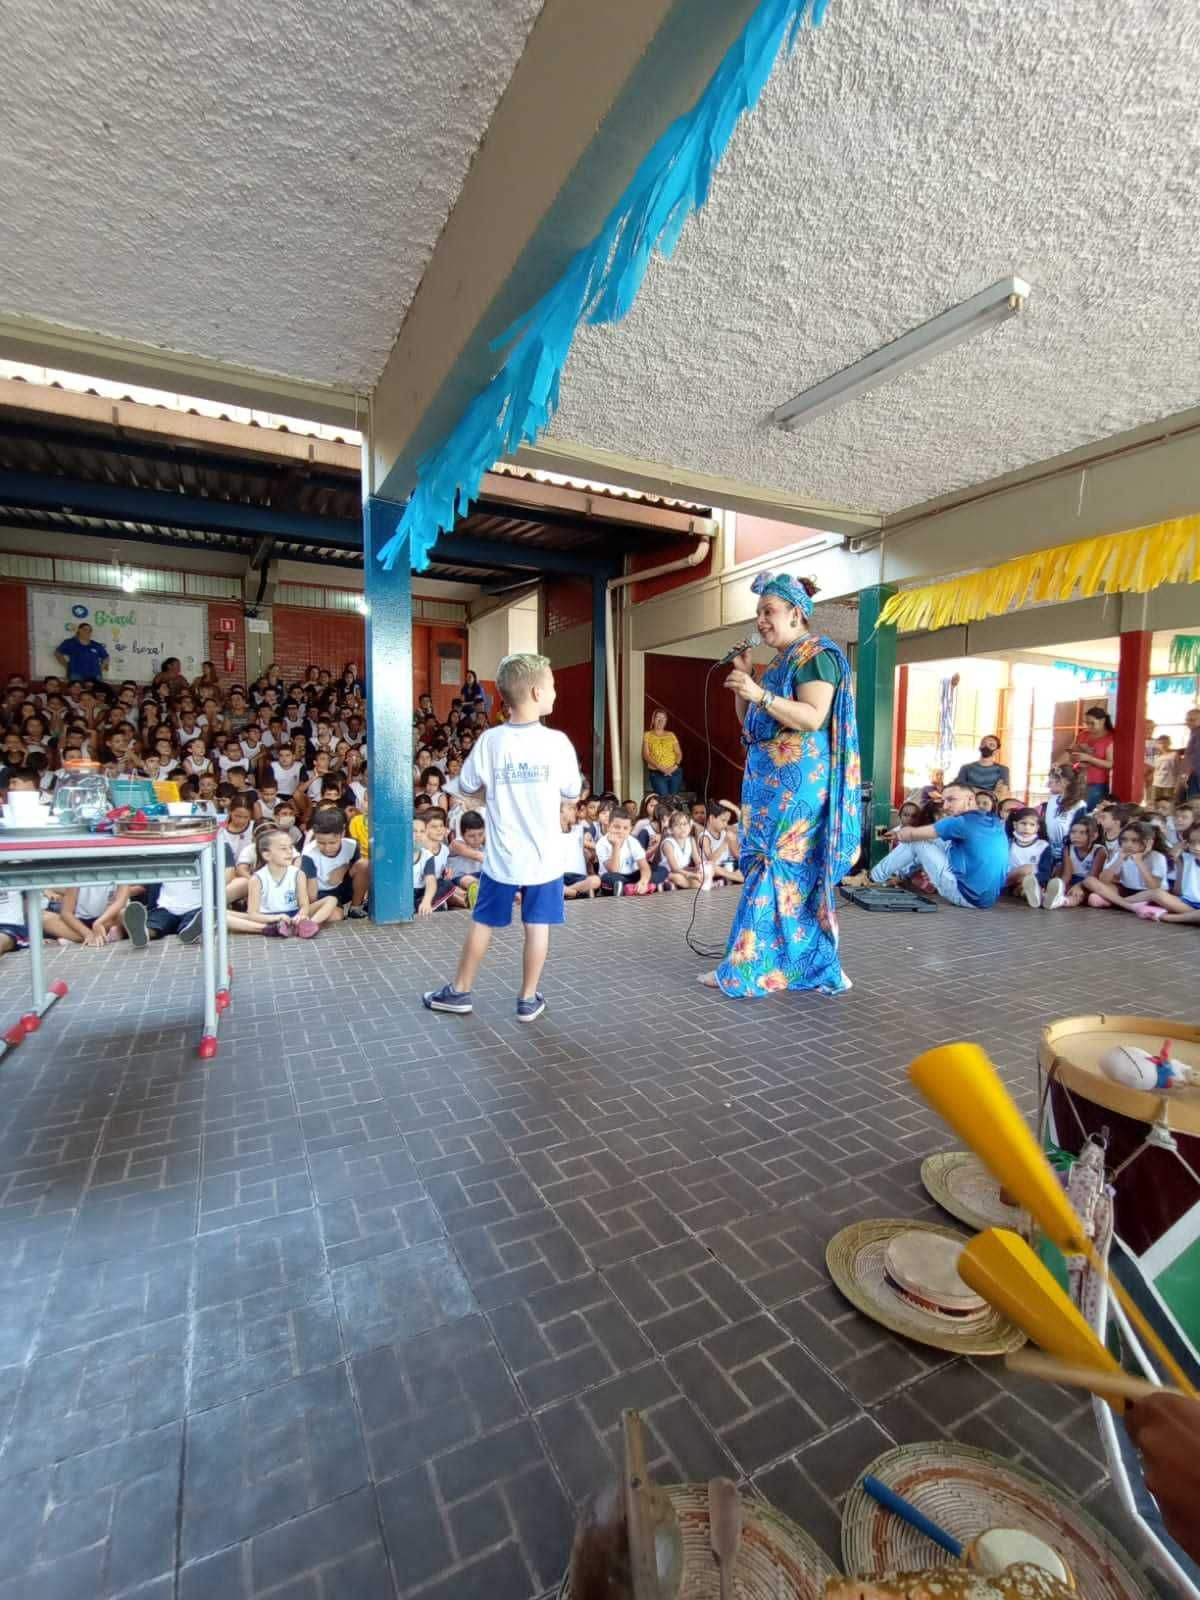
(448, 998)
(531, 1010)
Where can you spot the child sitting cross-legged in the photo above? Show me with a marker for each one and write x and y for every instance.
(282, 900)
(718, 856)
(89, 915)
(680, 853)
(1029, 857)
(622, 861)
(337, 864)
(464, 862)
(578, 877)
(1133, 874)
(1184, 904)
(1084, 857)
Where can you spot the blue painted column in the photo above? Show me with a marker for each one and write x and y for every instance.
(875, 694)
(599, 636)
(389, 717)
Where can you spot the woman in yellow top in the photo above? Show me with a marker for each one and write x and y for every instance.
(662, 755)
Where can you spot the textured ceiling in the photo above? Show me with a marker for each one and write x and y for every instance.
(906, 157)
(259, 182)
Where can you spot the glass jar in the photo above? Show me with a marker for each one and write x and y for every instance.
(81, 794)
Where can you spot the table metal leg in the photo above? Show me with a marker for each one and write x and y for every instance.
(43, 998)
(224, 975)
(208, 1042)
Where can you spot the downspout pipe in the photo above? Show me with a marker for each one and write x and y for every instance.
(610, 674)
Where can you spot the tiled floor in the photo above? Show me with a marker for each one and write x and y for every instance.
(354, 1309)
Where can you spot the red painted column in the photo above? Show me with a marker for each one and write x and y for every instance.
(899, 736)
(1133, 684)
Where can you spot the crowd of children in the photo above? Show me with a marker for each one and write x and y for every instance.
(1065, 856)
(284, 764)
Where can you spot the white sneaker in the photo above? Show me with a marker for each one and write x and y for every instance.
(1032, 890)
(1054, 896)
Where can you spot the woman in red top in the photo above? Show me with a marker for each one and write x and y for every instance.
(1095, 748)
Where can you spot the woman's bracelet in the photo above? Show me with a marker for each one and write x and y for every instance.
(767, 701)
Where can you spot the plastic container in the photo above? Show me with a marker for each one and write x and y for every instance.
(81, 794)
(136, 793)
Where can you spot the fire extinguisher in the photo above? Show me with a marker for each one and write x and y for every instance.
(230, 655)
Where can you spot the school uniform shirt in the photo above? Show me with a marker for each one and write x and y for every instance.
(225, 761)
(280, 895)
(679, 854)
(718, 844)
(313, 789)
(267, 807)
(180, 897)
(462, 866)
(251, 752)
(1058, 822)
(197, 769)
(422, 868)
(239, 841)
(1187, 878)
(1026, 855)
(1166, 770)
(12, 909)
(1131, 877)
(320, 867)
(287, 779)
(573, 859)
(91, 900)
(527, 770)
(1080, 867)
(184, 736)
(628, 860)
(646, 834)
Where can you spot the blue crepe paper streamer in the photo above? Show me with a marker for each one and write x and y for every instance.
(599, 285)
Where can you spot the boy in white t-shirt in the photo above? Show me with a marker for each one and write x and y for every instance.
(578, 876)
(524, 772)
(621, 860)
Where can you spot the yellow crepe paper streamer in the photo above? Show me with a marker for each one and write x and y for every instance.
(1119, 563)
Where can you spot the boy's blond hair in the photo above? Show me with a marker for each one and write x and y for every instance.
(516, 676)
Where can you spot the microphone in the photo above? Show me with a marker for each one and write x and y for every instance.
(738, 649)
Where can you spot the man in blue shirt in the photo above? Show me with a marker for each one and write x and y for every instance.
(83, 656)
(964, 853)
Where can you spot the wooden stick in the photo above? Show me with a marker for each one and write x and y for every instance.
(1108, 1385)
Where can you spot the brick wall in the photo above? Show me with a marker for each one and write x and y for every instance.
(677, 684)
(568, 602)
(306, 638)
(229, 611)
(14, 630)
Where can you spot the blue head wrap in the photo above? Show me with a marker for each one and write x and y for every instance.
(787, 588)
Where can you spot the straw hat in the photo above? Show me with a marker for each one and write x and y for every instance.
(966, 1491)
(777, 1559)
(963, 1186)
(857, 1262)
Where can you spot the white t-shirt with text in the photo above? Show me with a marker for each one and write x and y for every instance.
(527, 770)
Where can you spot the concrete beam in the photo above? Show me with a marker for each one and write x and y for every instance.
(96, 355)
(595, 87)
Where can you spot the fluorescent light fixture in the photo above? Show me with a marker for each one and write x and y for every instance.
(129, 581)
(983, 310)
(360, 605)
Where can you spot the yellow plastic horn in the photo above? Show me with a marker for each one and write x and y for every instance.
(1000, 1266)
(960, 1082)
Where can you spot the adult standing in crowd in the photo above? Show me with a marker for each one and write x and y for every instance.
(84, 657)
(989, 772)
(1093, 749)
(801, 802)
(662, 754)
(1191, 755)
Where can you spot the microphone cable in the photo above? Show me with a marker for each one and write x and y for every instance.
(708, 954)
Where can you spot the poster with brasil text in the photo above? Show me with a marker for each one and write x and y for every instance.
(138, 634)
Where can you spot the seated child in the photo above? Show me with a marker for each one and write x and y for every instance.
(465, 859)
(718, 856)
(13, 935)
(437, 843)
(88, 915)
(285, 819)
(985, 802)
(281, 901)
(1184, 904)
(681, 854)
(1085, 857)
(424, 871)
(1131, 877)
(622, 861)
(578, 878)
(1030, 858)
(359, 829)
(268, 798)
(177, 911)
(336, 866)
(239, 824)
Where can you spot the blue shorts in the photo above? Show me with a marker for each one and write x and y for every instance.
(540, 902)
(16, 932)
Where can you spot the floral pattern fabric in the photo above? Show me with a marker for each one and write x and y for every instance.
(801, 829)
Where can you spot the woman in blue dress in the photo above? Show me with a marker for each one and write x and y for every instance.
(801, 803)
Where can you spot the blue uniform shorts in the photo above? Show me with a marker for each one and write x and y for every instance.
(540, 902)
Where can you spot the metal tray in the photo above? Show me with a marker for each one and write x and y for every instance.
(157, 827)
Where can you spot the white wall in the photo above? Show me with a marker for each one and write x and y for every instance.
(507, 631)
